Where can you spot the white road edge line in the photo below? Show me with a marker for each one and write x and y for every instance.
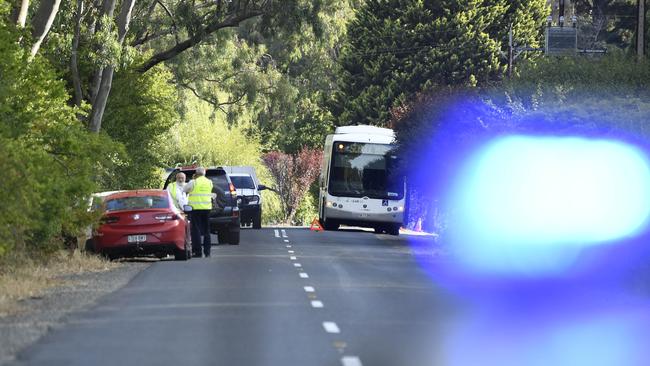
(317, 304)
(351, 361)
(304, 275)
(297, 265)
(309, 289)
(277, 233)
(331, 327)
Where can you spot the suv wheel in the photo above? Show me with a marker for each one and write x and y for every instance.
(222, 235)
(233, 236)
(257, 220)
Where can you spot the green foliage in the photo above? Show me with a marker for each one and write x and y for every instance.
(614, 21)
(141, 109)
(396, 49)
(205, 137)
(275, 83)
(49, 160)
(605, 94)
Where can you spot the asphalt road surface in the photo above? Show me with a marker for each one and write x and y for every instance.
(281, 297)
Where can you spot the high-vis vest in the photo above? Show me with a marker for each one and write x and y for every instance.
(201, 196)
(173, 192)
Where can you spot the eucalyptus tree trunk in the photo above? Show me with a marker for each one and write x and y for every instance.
(21, 16)
(99, 105)
(42, 22)
(74, 64)
(108, 8)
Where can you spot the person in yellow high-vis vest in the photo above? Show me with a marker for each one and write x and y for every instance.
(200, 195)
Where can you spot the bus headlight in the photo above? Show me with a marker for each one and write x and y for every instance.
(328, 204)
(400, 209)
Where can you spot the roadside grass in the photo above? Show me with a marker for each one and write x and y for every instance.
(23, 277)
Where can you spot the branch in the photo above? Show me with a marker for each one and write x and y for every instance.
(147, 18)
(150, 37)
(196, 39)
(171, 16)
(196, 94)
(214, 102)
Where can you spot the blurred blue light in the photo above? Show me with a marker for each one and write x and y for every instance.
(532, 203)
(612, 337)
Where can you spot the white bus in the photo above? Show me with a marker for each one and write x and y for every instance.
(357, 183)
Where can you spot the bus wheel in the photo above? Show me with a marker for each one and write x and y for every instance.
(330, 225)
(393, 229)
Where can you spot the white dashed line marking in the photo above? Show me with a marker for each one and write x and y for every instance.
(331, 327)
(286, 240)
(297, 265)
(284, 234)
(317, 304)
(351, 361)
(304, 275)
(309, 289)
(288, 246)
(291, 251)
(293, 258)
(277, 233)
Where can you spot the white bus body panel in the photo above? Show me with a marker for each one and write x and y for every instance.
(365, 209)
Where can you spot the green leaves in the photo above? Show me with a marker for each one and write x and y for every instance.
(50, 162)
(398, 49)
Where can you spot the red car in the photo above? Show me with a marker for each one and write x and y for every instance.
(142, 222)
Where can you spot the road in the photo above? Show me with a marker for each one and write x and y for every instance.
(283, 297)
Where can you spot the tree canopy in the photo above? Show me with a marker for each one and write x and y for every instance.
(396, 49)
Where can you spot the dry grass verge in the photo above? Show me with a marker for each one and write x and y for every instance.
(22, 277)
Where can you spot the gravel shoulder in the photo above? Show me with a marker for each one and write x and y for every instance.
(41, 313)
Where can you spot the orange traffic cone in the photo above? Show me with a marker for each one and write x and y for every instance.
(315, 225)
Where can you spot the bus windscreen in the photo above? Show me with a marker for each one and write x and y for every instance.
(364, 170)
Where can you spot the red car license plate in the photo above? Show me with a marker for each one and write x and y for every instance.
(137, 238)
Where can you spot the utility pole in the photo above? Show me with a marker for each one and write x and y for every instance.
(640, 29)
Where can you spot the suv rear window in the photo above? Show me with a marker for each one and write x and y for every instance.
(220, 181)
(218, 177)
(242, 182)
(136, 203)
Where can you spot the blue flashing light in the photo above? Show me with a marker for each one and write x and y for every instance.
(531, 204)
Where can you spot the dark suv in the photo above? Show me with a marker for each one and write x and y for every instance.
(224, 217)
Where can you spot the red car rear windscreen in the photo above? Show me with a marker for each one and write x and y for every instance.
(136, 203)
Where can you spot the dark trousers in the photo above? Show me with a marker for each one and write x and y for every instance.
(200, 228)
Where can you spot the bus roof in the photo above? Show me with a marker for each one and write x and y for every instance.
(364, 130)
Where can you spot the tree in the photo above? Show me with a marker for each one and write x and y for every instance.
(615, 20)
(396, 49)
(293, 175)
(51, 164)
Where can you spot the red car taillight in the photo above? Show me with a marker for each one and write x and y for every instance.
(166, 217)
(109, 220)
